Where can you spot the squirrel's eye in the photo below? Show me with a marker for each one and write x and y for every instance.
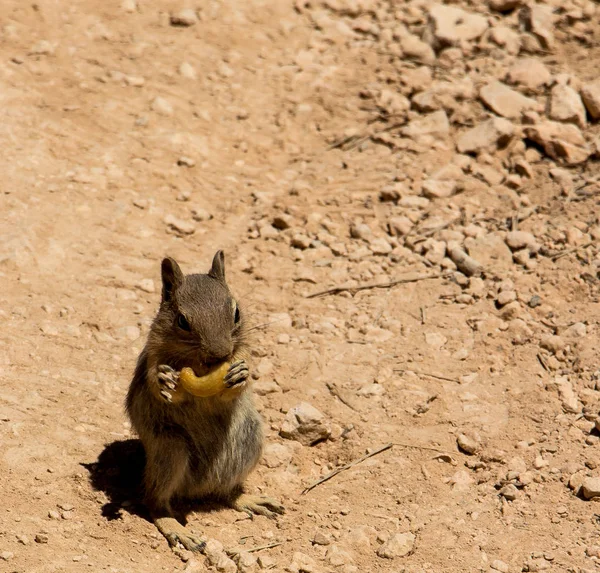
(183, 323)
(236, 314)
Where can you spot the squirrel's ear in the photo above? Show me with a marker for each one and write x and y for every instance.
(217, 270)
(172, 277)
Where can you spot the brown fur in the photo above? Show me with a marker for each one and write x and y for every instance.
(194, 446)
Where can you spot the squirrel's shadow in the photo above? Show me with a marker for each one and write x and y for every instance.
(119, 473)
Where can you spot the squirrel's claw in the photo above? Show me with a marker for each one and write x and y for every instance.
(237, 374)
(259, 505)
(168, 379)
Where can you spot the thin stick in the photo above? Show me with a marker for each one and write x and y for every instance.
(569, 251)
(355, 289)
(335, 391)
(437, 376)
(420, 447)
(255, 549)
(346, 467)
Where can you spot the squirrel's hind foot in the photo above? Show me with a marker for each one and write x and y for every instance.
(258, 505)
(177, 535)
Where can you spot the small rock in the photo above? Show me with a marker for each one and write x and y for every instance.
(7, 555)
(506, 38)
(500, 566)
(488, 135)
(509, 492)
(199, 214)
(451, 26)
(246, 562)
(300, 241)
(178, 226)
(380, 246)
(42, 48)
(184, 18)
(517, 240)
(162, 106)
(566, 105)
(400, 226)
(302, 563)
(276, 455)
(435, 339)
(305, 424)
(560, 141)
(590, 487)
(530, 73)
(504, 101)
(590, 93)
(469, 442)
(552, 342)
(187, 71)
(539, 20)
(577, 330)
(435, 124)
(23, 539)
(398, 545)
(337, 556)
(434, 188)
(147, 285)
(504, 5)
(321, 538)
(413, 48)
(506, 297)
(466, 264)
(185, 161)
(41, 538)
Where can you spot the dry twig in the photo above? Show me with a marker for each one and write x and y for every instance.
(355, 289)
(346, 467)
(341, 396)
(254, 549)
(437, 376)
(569, 251)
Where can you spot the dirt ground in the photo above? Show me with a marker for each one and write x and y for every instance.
(320, 143)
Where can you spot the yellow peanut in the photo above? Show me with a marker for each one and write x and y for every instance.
(205, 386)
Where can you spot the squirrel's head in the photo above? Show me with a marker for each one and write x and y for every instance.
(199, 321)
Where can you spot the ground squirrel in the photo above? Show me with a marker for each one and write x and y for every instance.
(195, 447)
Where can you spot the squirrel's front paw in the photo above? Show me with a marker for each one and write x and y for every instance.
(237, 374)
(168, 379)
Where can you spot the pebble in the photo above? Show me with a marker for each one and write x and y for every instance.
(321, 538)
(552, 342)
(590, 487)
(488, 135)
(302, 563)
(517, 240)
(469, 442)
(566, 105)
(500, 566)
(276, 455)
(147, 285)
(337, 556)
(400, 226)
(561, 141)
(506, 297)
(398, 545)
(590, 93)
(305, 424)
(162, 106)
(509, 492)
(41, 538)
(184, 18)
(435, 124)
(246, 562)
(451, 26)
(179, 226)
(539, 20)
(413, 48)
(434, 188)
(7, 555)
(187, 71)
(504, 5)
(505, 101)
(530, 73)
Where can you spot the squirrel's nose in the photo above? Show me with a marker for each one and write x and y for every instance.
(219, 351)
